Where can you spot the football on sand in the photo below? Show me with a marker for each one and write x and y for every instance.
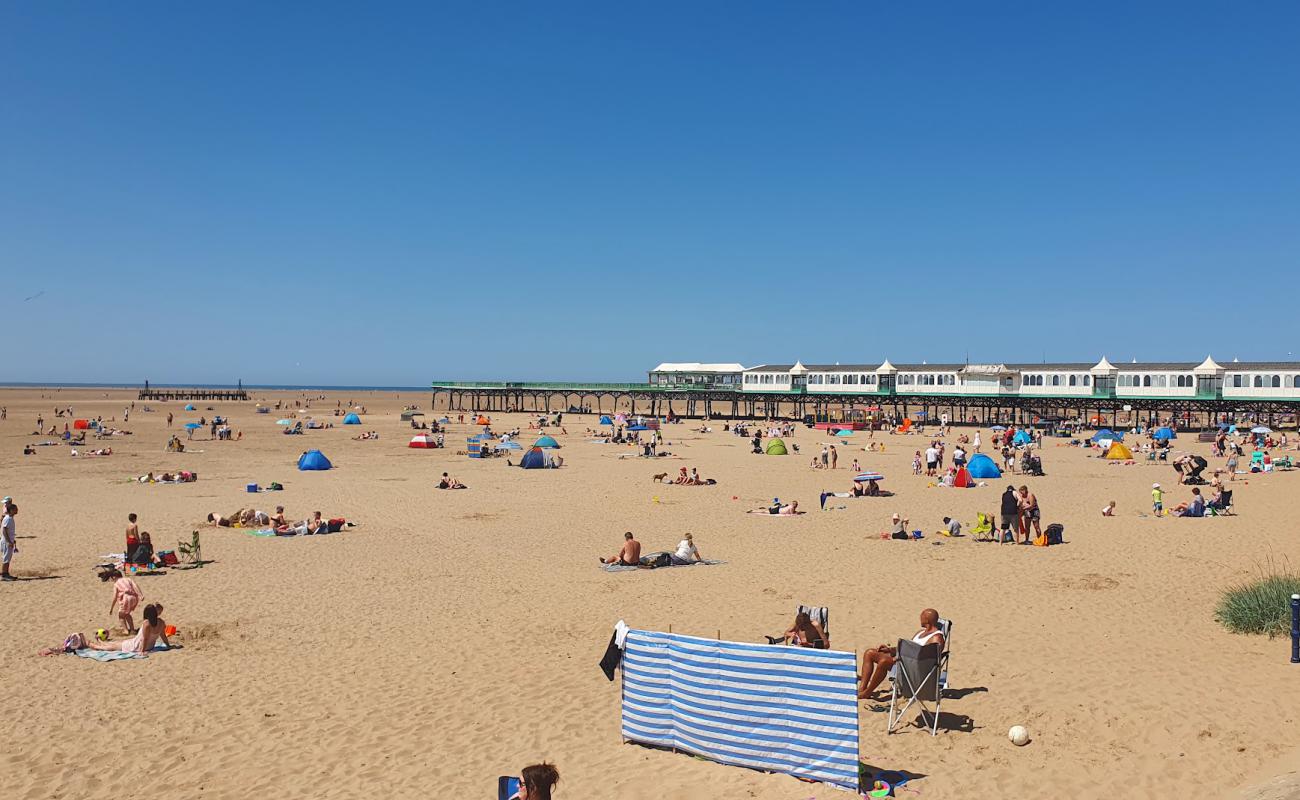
(1019, 735)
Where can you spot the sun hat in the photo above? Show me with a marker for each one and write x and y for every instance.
(1155, 486)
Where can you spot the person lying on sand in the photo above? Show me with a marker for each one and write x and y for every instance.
(153, 629)
(777, 509)
(449, 482)
(629, 555)
(806, 633)
(877, 662)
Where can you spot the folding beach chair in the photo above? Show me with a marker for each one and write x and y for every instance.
(818, 614)
(191, 552)
(983, 530)
(920, 675)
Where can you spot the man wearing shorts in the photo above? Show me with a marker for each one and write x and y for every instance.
(8, 540)
(931, 460)
(1029, 514)
(1010, 512)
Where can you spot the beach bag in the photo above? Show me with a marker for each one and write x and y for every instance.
(657, 560)
(168, 557)
(275, 487)
(1040, 540)
(1055, 533)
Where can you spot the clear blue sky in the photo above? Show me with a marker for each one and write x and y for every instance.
(350, 193)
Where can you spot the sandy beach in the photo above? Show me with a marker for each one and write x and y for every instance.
(453, 636)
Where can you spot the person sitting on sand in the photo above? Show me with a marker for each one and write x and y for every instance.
(154, 628)
(877, 663)
(682, 478)
(873, 489)
(951, 527)
(806, 633)
(143, 553)
(125, 592)
(1109, 510)
(448, 482)
(687, 552)
(278, 520)
(629, 555)
(1195, 508)
(536, 782)
(898, 527)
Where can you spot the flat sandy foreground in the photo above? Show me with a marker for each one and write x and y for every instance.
(454, 636)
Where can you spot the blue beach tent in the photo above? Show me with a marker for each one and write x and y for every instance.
(534, 459)
(982, 467)
(546, 441)
(1165, 433)
(1022, 437)
(352, 419)
(313, 460)
(1107, 433)
(605, 420)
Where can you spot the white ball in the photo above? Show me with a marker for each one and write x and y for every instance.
(1019, 735)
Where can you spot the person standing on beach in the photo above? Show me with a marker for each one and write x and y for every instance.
(1009, 512)
(169, 419)
(977, 441)
(1029, 514)
(835, 457)
(8, 539)
(826, 457)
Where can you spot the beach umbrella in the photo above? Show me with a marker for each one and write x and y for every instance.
(920, 414)
(844, 432)
(998, 428)
(284, 422)
(1261, 429)
(192, 425)
(422, 441)
(863, 477)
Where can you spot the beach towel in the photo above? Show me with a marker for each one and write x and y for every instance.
(627, 568)
(106, 655)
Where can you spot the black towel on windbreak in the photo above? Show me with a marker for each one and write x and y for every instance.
(612, 658)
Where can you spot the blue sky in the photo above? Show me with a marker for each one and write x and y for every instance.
(343, 193)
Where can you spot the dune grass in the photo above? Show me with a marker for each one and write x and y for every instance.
(1261, 604)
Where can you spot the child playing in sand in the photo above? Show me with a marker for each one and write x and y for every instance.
(916, 463)
(856, 468)
(1109, 510)
(1157, 499)
(126, 592)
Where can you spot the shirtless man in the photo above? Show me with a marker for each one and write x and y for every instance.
(1029, 514)
(629, 555)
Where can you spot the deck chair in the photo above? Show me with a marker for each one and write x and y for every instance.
(818, 614)
(191, 552)
(507, 787)
(1225, 509)
(920, 675)
(983, 530)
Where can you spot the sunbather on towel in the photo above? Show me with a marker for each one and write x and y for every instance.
(629, 555)
(806, 633)
(877, 662)
(153, 629)
(778, 509)
(449, 482)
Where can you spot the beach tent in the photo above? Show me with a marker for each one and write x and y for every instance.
(1119, 452)
(1107, 433)
(546, 441)
(313, 460)
(637, 428)
(482, 420)
(407, 416)
(844, 432)
(605, 420)
(775, 447)
(80, 424)
(351, 419)
(907, 424)
(189, 407)
(508, 445)
(534, 459)
(1022, 437)
(982, 467)
(963, 479)
(423, 441)
(1165, 433)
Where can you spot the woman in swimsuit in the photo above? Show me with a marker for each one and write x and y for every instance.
(145, 638)
(806, 633)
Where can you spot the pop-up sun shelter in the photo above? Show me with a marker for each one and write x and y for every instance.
(313, 460)
(351, 419)
(1165, 433)
(982, 467)
(1119, 452)
(775, 447)
(534, 459)
(1107, 433)
(605, 420)
(482, 420)
(422, 441)
(1022, 437)
(189, 407)
(547, 442)
(963, 479)
(80, 424)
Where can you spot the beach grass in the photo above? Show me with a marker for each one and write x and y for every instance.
(1261, 604)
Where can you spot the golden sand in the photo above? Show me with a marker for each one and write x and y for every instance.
(453, 636)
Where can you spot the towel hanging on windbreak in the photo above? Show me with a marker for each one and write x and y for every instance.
(614, 650)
